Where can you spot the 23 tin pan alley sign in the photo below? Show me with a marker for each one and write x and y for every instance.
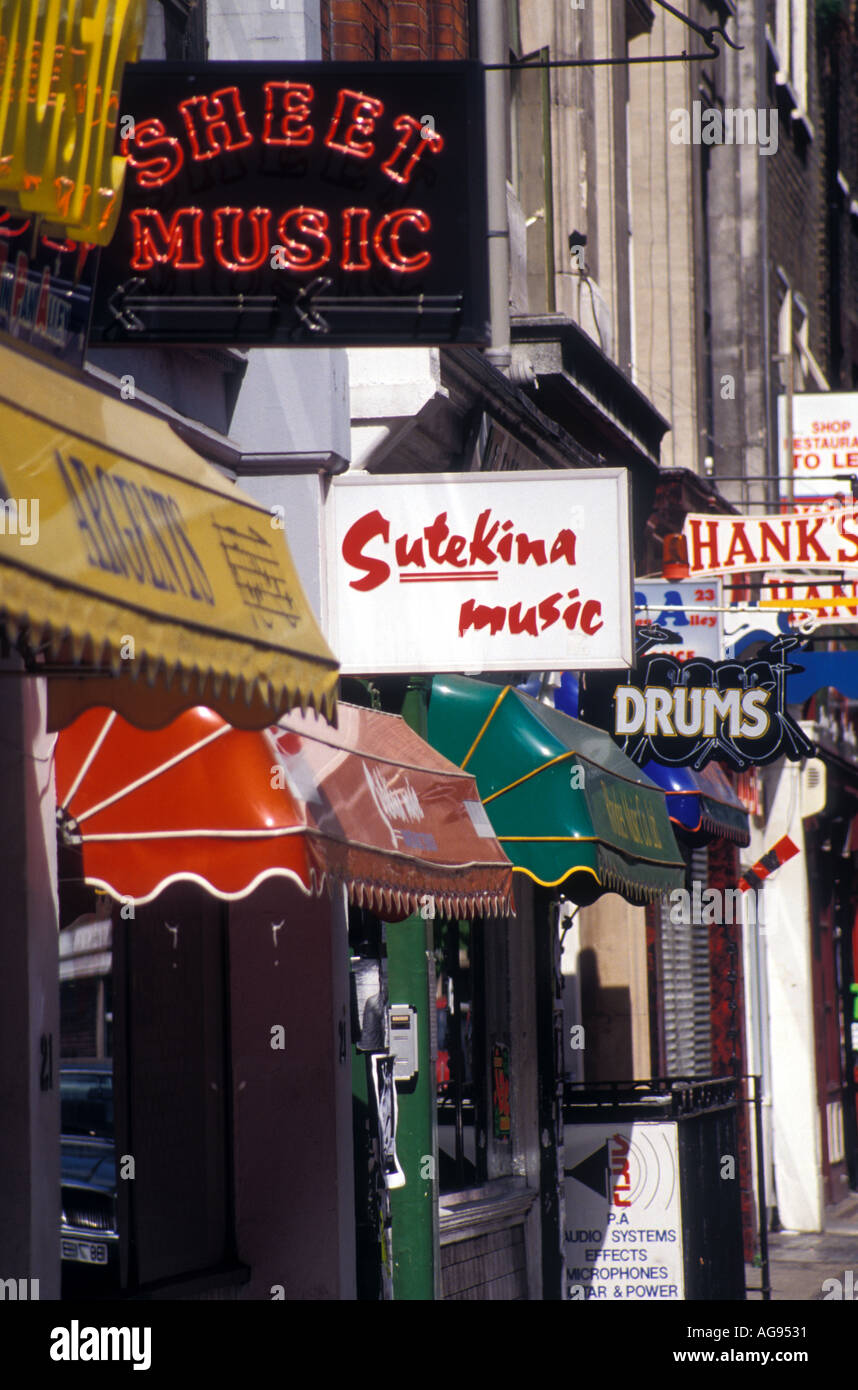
(691, 712)
(477, 572)
(268, 203)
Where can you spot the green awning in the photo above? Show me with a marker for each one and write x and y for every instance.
(566, 804)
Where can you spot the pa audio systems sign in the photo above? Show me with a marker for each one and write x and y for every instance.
(477, 572)
(271, 203)
(623, 1237)
(693, 712)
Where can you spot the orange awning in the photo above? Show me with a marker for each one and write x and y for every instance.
(368, 804)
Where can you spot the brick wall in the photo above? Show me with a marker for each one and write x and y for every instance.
(797, 211)
(838, 72)
(402, 30)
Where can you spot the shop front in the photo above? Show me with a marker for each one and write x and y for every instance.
(134, 576)
(251, 875)
(582, 825)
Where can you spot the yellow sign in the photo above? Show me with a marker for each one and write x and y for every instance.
(119, 541)
(61, 64)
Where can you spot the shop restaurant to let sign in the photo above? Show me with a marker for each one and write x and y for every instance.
(824, 442)
(312, 203)
(474, 572)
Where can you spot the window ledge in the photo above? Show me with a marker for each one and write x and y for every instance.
(482, 1210)
(801, 118)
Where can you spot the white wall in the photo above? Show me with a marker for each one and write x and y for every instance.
(796, 1135)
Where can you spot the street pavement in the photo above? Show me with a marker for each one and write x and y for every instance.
(800, 1262)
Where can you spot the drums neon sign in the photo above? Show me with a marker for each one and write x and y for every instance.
(693, 712)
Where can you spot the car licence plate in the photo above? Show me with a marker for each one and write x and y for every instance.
(87, 1252)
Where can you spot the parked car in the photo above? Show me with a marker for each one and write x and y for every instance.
(89, 1233)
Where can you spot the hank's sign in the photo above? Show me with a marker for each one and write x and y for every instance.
(480, 572)
(826, 540)
(275, 203)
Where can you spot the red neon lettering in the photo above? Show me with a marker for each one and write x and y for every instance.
(259, 220)
(7, 230)
(309, 222)
(364, 530)
(355, 225)
(386, 240)
(62, 246)
(420, 140)
(155, 242)
(155, 172)
(360, 120)
(294, 99)
(108, 196)
(65, 188)
(218, 120)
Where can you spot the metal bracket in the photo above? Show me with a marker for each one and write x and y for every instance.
(706, 32)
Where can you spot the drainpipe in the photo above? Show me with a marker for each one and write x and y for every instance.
(411, 980)
(492, 48)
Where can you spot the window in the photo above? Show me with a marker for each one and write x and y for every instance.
(683, 963)
(791, 45)
(185, 30)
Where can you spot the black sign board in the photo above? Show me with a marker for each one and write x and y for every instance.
(689, 713)
(300, 203)
(46, 285)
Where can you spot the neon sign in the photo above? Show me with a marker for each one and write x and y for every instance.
(45, 289)
(691, 712)
(306, 202)
(61, 65)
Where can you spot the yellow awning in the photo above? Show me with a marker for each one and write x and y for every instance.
(122, 549)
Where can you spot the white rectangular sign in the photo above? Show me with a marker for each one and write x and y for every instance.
(623, 1237)
(666, 600)
(824, 442)
(472, 572)
(808, 540)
